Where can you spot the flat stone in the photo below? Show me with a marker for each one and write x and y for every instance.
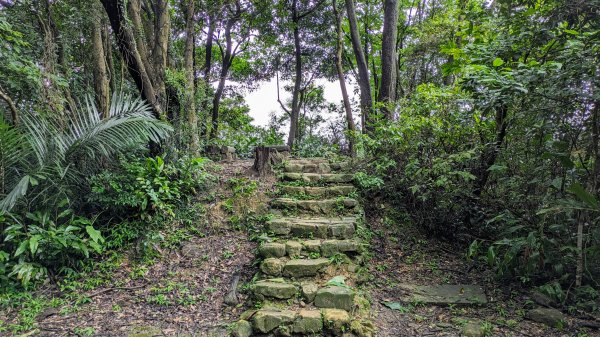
(309, 229)
(293, 248)
(279, 226)
(332, 247)
(303, 268)
(337, 178)
(444, 294)
(279, 290)
(284, 203)
(312, 246)
(308, 321)
(336, 319)
(272, 266)
(241, 328)
(341, 230)
(335, 297)
(272, 249)
(309, 291)
(549, 316)
(473, 329)
(267, 320)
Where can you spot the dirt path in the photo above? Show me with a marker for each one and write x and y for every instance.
(181, 292)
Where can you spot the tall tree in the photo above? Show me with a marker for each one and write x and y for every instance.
(387, 91)
(101, 80)
(340, 72)
(228, 53)
(190, 90)
(366, 100)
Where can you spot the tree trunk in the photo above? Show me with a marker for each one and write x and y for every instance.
(267, 156)
(207, 70)
(227, 59)
(387, 91)
(101, 81)
(366, 100)
(298, 77)
(125, 41)
(340, 72)
(192, 116)
(162, 32)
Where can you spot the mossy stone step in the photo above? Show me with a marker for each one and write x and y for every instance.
(295, 248)
(274, 288)
(322, 228)
(326, 206)
(325, 178)
(302, 166)
(304, 321)
(304, 267)
(336, 297)
(318, 191)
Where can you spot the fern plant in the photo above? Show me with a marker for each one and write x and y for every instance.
(46, 160)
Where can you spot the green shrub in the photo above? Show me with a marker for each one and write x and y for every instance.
(143, 188)
(44, 243)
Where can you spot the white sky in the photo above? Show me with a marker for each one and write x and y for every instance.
(264, 100)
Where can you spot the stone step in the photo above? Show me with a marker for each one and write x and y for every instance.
(318, 191)
(295, 248)
(313, 227)
(274, 288)
(294, 268)
(326, 206)
(325, 178)
(285, 322)
(307, 166)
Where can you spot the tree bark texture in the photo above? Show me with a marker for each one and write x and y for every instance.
(190, 90)
(387, 91)
(101, 80)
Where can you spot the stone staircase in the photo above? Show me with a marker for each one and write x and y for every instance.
(311, 258)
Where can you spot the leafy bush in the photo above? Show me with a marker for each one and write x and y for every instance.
(149, 186)
(46, 160)
(45, 244)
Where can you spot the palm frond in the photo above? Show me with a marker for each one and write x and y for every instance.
(48, 151)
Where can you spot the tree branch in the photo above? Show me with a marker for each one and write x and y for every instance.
(11, 106)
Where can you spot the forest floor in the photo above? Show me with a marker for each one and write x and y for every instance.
(180, 292)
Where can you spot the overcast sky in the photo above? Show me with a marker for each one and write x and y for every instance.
(264, 100)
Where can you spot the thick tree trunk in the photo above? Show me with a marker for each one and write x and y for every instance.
(192, 116)
(267, 156)
(340, 72)
(366, 100)
(387, 91)
(101, 81)
(125, 40)
(162, 31)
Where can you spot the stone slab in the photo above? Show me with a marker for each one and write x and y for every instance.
(444, 294)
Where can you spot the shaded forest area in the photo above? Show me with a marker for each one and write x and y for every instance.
(476, 122)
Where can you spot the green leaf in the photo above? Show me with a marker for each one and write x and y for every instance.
(498, 62)
(34, 243)
(94, 234)
(584, 196)
(22, 247)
